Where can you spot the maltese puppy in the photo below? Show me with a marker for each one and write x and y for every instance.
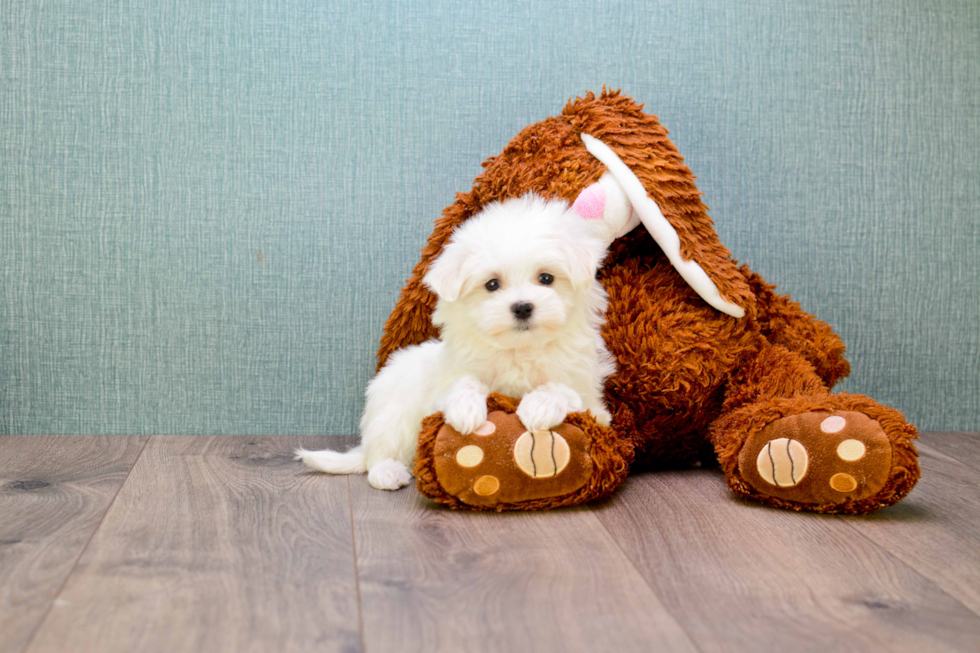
(519, 310)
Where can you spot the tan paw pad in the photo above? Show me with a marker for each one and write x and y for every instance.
(833, 424)
(487, 428)
(851, 450)
(541, 454)
(486, 485)
(782, 462)
(469, 456)
(843, 482)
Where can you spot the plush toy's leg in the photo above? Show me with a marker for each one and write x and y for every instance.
(784, 440)
(785, 323)
(502, 466)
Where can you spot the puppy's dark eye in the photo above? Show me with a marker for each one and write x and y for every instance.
(545, 279)
(492, 285)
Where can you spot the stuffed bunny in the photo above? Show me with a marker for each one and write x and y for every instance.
(711, 363)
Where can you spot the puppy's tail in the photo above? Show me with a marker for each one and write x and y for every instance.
(334, 462)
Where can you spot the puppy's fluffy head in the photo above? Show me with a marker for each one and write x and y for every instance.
(516, 274)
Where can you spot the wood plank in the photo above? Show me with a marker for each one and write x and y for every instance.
(215, 544)
(936, 529)
(744, 577)
(436, 580)
(963, 446)
(54, 492)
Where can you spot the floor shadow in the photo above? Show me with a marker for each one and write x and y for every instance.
(906, 511)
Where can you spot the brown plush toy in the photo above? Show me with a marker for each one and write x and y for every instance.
(711, 363)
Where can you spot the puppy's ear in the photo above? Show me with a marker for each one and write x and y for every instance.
(583, 254)
(446, 275)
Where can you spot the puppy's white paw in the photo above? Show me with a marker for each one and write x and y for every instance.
(547, 405)
(466, 414)
(602, 416)
(464, 405)
(389, 474)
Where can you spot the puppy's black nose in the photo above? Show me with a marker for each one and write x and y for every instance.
(522, 310)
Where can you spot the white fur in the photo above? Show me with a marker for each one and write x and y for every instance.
(557, 362)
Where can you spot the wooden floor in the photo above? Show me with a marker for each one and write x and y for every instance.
(213, 544)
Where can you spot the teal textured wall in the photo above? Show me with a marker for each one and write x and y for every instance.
(207, 209)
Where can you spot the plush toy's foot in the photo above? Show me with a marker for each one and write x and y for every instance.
(839, 454)
(503, 466)
(818, 457)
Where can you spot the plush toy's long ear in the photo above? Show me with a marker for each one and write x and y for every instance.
(606, 209)
(643, 209)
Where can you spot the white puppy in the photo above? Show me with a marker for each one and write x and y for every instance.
(519, 310)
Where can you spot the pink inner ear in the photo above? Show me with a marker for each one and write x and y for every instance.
(591, 202)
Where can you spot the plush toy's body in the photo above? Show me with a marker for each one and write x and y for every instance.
(748, 386)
